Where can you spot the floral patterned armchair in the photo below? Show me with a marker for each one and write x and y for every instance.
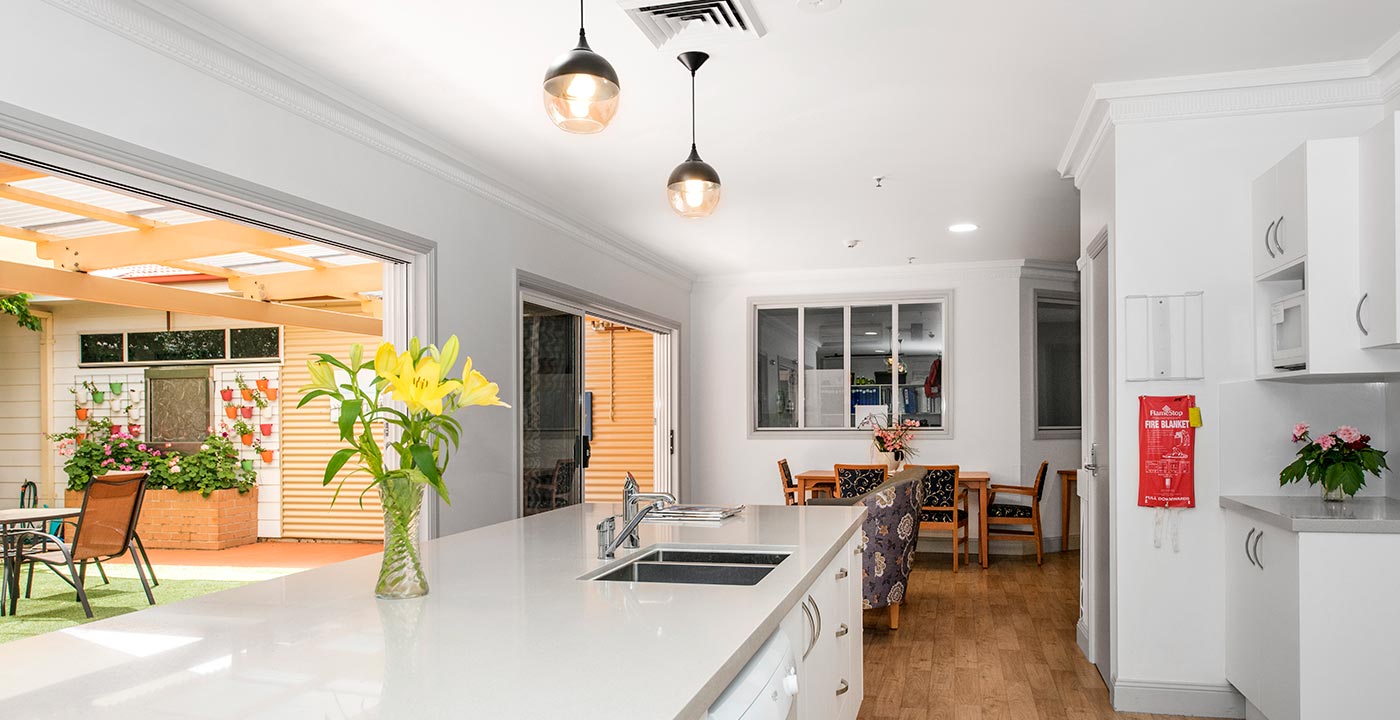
(890, 535)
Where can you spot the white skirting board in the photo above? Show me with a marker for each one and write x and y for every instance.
(1174, 698)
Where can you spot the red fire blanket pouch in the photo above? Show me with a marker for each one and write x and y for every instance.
(1167, 452)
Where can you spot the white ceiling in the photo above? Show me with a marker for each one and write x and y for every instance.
(964, 106)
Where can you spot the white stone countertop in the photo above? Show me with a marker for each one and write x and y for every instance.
(507, 631)
(1312, 514)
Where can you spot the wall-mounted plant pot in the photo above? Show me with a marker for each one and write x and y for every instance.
(247, 439)
(262, 384)
(98, 397)
(116, 429)
(81, 437)
(247, 411)
(135, 430)
(226, 394)
(116, 388)
(247, 393)
(247, 464)
(231, 411)
(266, 429)
(81, 412)
(267, 456)
(271, 393)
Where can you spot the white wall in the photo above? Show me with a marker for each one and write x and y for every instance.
(983, 370)
(219, 126)
(20, 427)
(1182, 222)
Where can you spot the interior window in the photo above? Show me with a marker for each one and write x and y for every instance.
(921, 359)
(776, 372)
(1057, 365)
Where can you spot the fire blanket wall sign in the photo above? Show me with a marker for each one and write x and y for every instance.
(1167, 451)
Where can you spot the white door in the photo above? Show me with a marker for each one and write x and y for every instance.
(1093, 486)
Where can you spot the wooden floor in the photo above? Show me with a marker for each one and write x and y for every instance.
(995, 644)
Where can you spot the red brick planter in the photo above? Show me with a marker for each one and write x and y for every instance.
(173, 520)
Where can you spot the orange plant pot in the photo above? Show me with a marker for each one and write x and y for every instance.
(247, 439)
(231, 412)
(81, 437)
(267, 456)
(247, 393)
(262, 384)
(271, 393)
(81, 412)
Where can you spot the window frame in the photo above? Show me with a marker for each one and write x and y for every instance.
(1058, 297)
(846, 302)
(227, 359)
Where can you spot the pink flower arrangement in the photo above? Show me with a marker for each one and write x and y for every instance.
(1339, 460)
(897, 438)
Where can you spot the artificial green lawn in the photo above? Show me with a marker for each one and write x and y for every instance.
(55, 606)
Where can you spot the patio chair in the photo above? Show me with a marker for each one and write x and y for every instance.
(105, 530)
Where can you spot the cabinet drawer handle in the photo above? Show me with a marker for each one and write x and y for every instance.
(1257, 560)
(841, 574)
(1266, 240)
(860, 548)
(1247, 540)
(811, 625)
(1359, 303)
(1278, 227)
(844, 687)
(843, 630)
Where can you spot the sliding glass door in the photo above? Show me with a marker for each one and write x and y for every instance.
(555, 449)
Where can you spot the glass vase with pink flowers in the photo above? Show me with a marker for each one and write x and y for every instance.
(1338, 461)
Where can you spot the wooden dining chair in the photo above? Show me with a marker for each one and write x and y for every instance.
(791, 492)
(854, 480)
(939, 512)
(1015, 515)
(105, 530)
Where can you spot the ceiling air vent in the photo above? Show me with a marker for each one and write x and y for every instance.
(661, 21)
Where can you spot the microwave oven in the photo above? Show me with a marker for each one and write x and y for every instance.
(1289, 331)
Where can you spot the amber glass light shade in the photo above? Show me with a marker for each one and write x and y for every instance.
(581, 91)
(693, 188)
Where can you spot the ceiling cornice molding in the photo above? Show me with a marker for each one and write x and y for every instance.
(199, 43)
(981, 270)
(1370, 81)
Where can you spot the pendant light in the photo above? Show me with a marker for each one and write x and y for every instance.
(580, 88)
(693, 188)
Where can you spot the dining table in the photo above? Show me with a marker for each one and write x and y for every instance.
(9, 545)
(978, 480)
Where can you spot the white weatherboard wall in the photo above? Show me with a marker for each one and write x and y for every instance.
(20, 441)
(1180, 206)
(481, 244)
(983, 371)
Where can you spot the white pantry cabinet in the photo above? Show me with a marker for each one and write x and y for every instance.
(1311, 626)
(1378, 307)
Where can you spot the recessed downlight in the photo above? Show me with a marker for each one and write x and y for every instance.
(871, 332)
(962, 227)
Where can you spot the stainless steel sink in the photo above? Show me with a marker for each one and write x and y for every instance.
(695, 566)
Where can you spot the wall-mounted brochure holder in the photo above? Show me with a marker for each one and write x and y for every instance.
(1164, 336)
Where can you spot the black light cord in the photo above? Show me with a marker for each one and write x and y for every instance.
(580, 15)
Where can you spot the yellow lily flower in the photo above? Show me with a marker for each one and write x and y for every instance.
(477, 390)
(420, 387)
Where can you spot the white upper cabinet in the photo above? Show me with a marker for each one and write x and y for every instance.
(1308, 264)
(1380, 266)
(1281, 213)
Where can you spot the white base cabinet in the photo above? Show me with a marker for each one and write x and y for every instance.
(1311, 621)
(828, 640)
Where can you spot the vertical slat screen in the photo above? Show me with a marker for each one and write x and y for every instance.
(618, 370)
(309, 439)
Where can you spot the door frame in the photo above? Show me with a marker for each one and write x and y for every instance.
(539, 289)
(410, 282)
(1097, 367)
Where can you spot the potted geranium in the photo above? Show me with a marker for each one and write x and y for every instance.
(1338, 461)
(892, 444)
(424, 396)
(244, 431)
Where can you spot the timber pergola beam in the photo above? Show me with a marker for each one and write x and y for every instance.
(74, 207)
(347, 282)
(18, 277)
(155, 246)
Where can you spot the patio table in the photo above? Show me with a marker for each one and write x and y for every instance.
(9, 542)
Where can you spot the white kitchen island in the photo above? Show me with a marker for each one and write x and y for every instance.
(509, 630)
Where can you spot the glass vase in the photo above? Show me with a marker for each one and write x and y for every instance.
(1336, 494)
(401, 572)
